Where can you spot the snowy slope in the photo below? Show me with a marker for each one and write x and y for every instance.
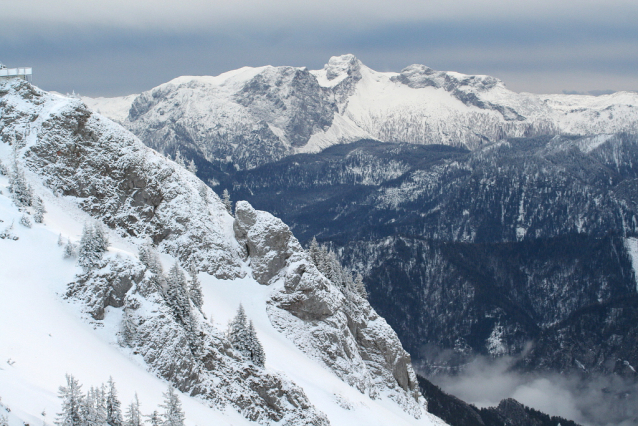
(114, 108)
(86, 168)
(252, 116)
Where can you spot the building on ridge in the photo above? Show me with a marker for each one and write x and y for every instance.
(25, 73)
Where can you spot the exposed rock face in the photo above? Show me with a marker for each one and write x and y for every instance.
(291, 99)
(266, 240)
(345, 71)
(104, 287)
(345, 334)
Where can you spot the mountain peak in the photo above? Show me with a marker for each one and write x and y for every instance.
(347, 65)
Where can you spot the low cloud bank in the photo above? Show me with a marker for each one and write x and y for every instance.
(595, 400)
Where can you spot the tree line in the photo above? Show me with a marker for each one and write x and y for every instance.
(100, 406)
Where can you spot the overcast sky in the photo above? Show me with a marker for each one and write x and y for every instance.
(117, 47)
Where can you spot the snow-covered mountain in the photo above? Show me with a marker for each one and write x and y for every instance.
(329, 358)
(253, 116)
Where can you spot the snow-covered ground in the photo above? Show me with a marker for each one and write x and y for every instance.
(116, 108)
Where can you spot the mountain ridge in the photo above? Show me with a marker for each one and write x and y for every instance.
(252, 116)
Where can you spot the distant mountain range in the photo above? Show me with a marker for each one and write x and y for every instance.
(252, 116)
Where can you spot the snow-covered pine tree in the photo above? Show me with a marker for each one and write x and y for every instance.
(22, 193)
(315, 252)
(238, 333)
(4, 421)
(332, 268)
(101, 239)
(150, 258)
(177, 295)
(72, 404)
(39, 210)
(70, 250)
(154, 419)
(257, 354)
(95, 407)
(179, 159)
(226, 201)
(113, 405)
(60, 240)
(195, 290)
(25, 221)
(203, 191)
(359, 286)
(133, 414)
(93, 245)
(191, 167)
(173, 414)
(328, 264)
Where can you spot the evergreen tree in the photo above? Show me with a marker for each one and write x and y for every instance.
(69, 250)
(93, 245)
(133, 414)
(243, 337)
(25, 221)
(195, 291)
(192, 167)
(257, 354)
(22, 193)
(95, 407)
(4, 421)
(113, 406)
(238, 333)
(150, 258)
(177, 295)
(360, 287)
(39, 210)
(173, 414)
(226, 201)
(315, 252)
(60, 240)
(203, 191)
(73, 413)
(179, 159)
(101, 240)
(154, 419)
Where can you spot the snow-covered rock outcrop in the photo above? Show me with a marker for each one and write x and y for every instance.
(345, 333)
(117, 179)
(252, 116)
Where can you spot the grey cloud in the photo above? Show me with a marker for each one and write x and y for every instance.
(536, 55)
(201, 14)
